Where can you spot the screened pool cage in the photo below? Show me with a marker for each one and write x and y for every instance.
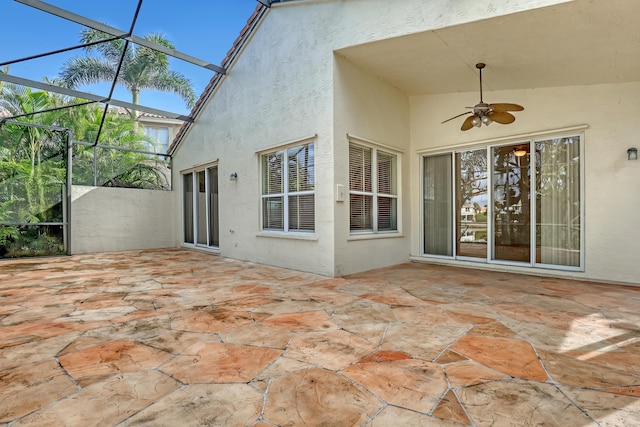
(53, 137)
(38, 165)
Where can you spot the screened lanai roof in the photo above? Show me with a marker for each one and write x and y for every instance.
(47, 35)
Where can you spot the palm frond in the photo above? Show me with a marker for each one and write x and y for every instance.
(79, 71)
(173, 82)
(111, 50)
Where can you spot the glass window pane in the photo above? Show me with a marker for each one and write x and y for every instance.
(159, 137)
(387, 173)
(438, 227)
(302, 213)
(361, 210)
(387, 214)
(558, 201)
(272, 173)
(359, 168)
(273, 213)
(301, 168)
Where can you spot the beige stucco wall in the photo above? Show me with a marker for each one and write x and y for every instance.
(368, 108)
(273, 95)
(287, 85)
(117, 219)
(610, 113)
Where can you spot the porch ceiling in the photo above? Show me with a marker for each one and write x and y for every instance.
(582, 42)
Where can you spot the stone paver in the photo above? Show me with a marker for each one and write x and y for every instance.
(176, 337)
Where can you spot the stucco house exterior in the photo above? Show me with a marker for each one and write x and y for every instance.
(322, 148)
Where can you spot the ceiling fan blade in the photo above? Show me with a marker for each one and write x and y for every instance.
(467, 123)
(502, 117)
(506, 107)
(459, 115)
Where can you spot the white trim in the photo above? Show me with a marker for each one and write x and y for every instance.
(294, 235)
(367, 235)
(213, 250)
(286, 144)
(504, 140)
(359, 139)
(198, 167)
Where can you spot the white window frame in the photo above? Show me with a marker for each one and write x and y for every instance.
(286, 193)
(151, 132)
(375, 148)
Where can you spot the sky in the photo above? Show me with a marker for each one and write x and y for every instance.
(204, 29)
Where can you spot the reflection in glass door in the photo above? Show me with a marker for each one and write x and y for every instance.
(511, 203)
(471, 203)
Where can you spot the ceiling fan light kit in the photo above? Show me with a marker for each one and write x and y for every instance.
(487, 113)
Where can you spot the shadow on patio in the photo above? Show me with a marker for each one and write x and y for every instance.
(174, 337)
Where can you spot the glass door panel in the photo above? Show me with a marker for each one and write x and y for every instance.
(438, 198)
(201, 206)
(201, 202)
(471, 203)
(511, 203)
(187, 184)
(558, 221)
(214, 227)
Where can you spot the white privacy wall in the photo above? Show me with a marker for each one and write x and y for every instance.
(612, 200)
(280, 89)
(116, 219)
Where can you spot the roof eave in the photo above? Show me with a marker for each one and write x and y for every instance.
(232, 54)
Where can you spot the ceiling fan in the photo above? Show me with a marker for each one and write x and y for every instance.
(487, 113)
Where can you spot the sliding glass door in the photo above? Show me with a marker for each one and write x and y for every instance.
(519, 203)
(200, 207)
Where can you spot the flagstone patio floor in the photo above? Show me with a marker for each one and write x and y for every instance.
(182, 338)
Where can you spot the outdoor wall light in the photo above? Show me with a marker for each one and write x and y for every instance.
(632, 153)
(233, 176)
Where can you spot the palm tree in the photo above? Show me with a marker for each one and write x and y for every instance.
(142, 68)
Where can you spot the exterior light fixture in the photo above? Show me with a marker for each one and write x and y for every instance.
(520, 152)
(233, 176)
(632, 153)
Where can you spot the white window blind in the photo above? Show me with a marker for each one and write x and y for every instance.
(373, 194)
(289, 205)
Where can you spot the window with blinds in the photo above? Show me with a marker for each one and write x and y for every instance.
(373, 189)
(288, 189)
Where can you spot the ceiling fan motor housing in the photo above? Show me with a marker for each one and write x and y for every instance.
(488, 113)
